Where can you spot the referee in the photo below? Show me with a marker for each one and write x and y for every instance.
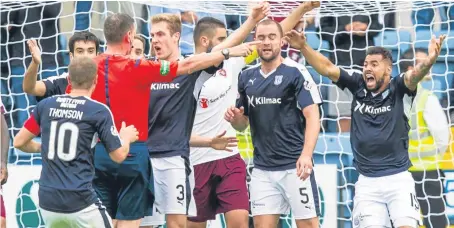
(428, 141)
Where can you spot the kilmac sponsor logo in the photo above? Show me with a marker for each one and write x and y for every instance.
(254, 101)
(363, 108)
(159, 86)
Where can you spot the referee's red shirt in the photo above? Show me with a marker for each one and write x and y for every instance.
(124, 85)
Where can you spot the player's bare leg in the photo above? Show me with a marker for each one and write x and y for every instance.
(2, 222)
(114, 222)
(237, 219)
(266, 221)
(307, 223)
(128, 223)
(196, 224)
(176, 221)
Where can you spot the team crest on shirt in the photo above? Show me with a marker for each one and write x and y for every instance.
(114, 131)
(203, 102)
(278, 79)
(356, 221)
(308, 85)
(222, 72)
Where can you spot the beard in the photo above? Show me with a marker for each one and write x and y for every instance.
(274, 55)
(210, 46)
(378, 85)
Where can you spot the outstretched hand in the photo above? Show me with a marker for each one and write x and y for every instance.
(260, 11)
(295, 39)
(223, 143)
(310, 5)
(35, 51)
(435, 47)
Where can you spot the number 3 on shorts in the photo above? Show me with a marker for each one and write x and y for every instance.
(304, 195)
(181, 188)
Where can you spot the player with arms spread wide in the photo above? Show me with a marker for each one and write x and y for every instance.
(385, 190)
(281, 102)
(124, 86)
(70, 126)
(220, 176)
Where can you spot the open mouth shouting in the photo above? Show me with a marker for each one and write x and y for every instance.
(370, 80)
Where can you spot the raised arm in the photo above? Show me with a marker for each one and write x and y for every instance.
(205, 60)
(291, 20)
(30, 84)
(258, 12)
(320, 63)
(414, 76)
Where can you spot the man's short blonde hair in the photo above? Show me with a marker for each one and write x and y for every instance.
(173, 21)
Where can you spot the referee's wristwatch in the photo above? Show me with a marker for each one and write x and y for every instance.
(226, 53)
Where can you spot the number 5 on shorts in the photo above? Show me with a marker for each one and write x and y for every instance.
(305, 196)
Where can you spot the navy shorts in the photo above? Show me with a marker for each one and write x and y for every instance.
(126, 189)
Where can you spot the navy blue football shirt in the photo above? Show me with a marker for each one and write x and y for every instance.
(379, 132)
(55, 85)
(274, 105)
(70, 128)
(171, 114)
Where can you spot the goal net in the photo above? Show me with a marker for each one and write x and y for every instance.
(391, 24)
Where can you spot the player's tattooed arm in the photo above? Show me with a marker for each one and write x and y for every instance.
(294, 17)
(30, 84)
(413, 77)
(220, 142)
(319, 62)
(24, 142)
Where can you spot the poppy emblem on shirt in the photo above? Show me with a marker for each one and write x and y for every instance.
(222, 72)
(203, 102)
(278, 79)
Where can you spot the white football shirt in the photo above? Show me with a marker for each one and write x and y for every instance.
(217, 94)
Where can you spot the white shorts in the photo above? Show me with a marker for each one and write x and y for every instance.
(93, 216)
(172, 188)
(156, 219)
(276, 192)
(380, 200)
